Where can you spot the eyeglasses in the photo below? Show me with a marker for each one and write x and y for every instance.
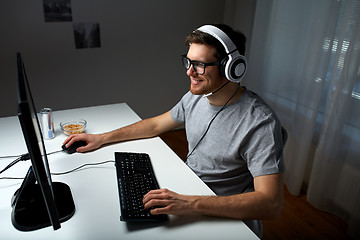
(198, 66)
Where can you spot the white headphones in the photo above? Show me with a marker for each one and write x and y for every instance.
(234, 66)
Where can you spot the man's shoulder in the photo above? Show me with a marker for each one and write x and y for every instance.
(256, 104)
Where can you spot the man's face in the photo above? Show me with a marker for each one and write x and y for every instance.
(211, 79)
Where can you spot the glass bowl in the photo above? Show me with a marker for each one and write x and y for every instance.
(73, 127)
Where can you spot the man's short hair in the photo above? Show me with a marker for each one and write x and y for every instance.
(237, 37)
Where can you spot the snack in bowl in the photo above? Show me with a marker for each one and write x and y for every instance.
(73, 127)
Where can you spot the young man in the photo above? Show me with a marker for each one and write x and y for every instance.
(235, 140)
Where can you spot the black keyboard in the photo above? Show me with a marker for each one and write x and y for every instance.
(135, 177)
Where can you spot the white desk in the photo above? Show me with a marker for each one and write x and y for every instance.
(95, 191)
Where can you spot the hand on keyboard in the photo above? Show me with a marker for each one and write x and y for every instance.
(159, 200)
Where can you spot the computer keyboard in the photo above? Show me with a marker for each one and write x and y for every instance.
(135, 177)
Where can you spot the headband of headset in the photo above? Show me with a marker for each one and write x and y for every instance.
(234, 67)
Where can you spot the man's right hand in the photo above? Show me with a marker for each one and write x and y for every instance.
(93, 141)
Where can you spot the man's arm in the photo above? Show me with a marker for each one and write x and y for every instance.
(143, 129)
(265, 202)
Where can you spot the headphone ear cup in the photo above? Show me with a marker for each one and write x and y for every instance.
(236, 69)
(222, 66)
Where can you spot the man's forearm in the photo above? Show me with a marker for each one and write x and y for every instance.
(143, 129)
(138, 130)
(242, 206)
(263, 203)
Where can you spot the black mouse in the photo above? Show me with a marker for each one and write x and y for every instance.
(73, 147)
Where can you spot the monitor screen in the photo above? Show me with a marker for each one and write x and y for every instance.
(36, 203)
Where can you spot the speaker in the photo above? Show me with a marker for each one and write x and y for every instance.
(233, 67)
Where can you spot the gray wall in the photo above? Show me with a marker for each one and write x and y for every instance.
(138, 62)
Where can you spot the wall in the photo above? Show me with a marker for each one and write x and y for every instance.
(138, 61)
(240, 16)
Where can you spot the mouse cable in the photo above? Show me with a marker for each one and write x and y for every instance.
(23, 157)
(84, 165)
(63, 173)
(11, 178)
(10, 156)
(55, 152)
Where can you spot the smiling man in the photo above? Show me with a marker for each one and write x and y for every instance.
(235, 139)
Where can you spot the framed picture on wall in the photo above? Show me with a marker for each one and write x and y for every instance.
(57, 10)
(87, 35)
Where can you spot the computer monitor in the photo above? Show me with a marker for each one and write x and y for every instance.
(39, 202)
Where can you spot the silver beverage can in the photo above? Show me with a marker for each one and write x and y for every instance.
(47, 123)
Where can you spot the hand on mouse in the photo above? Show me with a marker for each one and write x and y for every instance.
(92, 141)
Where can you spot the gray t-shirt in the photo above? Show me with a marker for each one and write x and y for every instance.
(244, 141)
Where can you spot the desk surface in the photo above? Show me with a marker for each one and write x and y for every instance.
(94, 188)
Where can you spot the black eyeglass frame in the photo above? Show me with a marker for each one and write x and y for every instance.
(196, 64)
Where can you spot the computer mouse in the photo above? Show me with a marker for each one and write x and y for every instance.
(73, 147)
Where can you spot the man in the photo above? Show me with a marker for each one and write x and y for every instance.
(235, 142)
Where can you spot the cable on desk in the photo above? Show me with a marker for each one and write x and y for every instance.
(54, 152)
(17, 156)
(11, 178)
(22, 157)
(84, 165)
(67, 172)
(10, 156)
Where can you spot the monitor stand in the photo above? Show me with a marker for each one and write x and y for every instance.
(29, 209)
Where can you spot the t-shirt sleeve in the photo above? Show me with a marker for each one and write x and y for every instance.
(264, 150)
(177, 113)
